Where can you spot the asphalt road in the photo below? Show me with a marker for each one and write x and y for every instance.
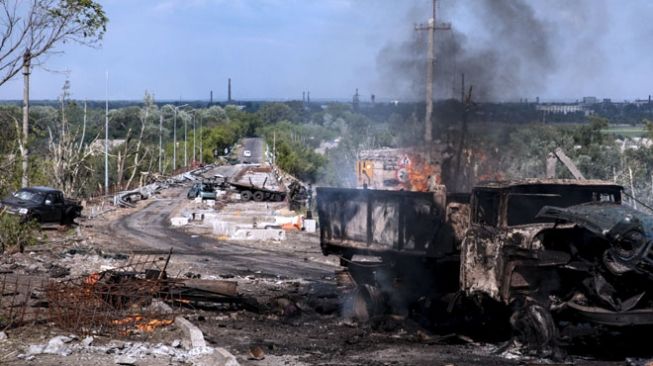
(148, 231)
(256, 146)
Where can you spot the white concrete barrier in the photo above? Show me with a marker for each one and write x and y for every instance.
(259, 234)
(310, 225)
(179, 221)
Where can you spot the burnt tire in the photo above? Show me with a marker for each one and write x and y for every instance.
(259, 196)
(534, 327)
(246, 195)
(68, 217)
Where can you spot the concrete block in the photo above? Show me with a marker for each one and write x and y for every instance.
(215, 357)
(284, 220)
(222, 228)
(179, 221)
(259, 234)
(310, 225)
(195, 337)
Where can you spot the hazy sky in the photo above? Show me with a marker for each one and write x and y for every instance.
(279, 48)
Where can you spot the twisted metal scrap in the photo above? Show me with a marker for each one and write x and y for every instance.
(18, 305)
(115, 302)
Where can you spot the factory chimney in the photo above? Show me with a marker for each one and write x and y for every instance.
(229, 90)
(356, 100)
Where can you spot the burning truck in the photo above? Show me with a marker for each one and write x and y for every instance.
(538, 258)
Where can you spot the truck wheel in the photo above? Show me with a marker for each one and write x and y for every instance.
(35, 218)
(67, 217)
(246, 195)
(366, 302)
(534, 327)
(258, 196)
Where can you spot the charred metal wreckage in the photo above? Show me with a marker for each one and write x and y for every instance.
(540, 255)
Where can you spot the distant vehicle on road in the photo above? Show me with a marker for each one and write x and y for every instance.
(43, 204)
(205, 190)
(247, 153)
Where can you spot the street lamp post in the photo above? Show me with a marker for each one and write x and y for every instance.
(185, 142)
(174, 133)
(160, 142)
(201, 143)
(194, 139)
(174, 143)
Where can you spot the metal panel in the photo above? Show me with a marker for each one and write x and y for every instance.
(378, 220)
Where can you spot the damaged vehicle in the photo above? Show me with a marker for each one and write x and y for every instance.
(205, 190)
(43, 205)
(539, 257)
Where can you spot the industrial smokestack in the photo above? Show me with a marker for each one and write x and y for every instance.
(211, 98)
(303, 97)
(308, 97)
(229, 90)
(356, 100)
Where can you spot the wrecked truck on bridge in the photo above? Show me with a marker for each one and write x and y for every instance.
(538, 254)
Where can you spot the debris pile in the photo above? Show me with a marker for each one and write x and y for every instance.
(127, 198)
(134, 298)
(114, 302)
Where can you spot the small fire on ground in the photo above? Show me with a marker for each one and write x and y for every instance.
(141, 324)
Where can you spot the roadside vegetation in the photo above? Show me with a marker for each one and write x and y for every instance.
(317, 143)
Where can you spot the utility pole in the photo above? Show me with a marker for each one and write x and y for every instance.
(462, 88)
(174, 142)
(161, 142)
(185, 142)
(194, 139)
(27, 59)
(201, 144)
(274, 147)
(431, 27)
(106, 136)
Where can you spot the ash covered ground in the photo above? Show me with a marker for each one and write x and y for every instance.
(293, 309)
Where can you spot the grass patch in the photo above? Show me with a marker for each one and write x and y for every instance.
(626, 130)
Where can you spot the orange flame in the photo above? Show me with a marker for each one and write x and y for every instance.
(142, 325)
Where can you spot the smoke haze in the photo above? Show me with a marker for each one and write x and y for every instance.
(507, 49)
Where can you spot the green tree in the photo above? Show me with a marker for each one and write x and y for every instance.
(14, 232)
(33, 28)
(276, 112)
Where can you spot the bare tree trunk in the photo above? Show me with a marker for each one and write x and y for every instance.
(138, 150)
(81, 140)
(24, 150)
(121, 160)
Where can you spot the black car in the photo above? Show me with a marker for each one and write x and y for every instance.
(42, 204)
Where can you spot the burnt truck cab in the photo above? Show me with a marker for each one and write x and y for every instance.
(569, 246)
(538, 256)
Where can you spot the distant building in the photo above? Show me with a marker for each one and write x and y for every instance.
(634, 143)
(563, 108)
(590, 100)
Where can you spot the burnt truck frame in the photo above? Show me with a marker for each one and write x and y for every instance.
(541, 252)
